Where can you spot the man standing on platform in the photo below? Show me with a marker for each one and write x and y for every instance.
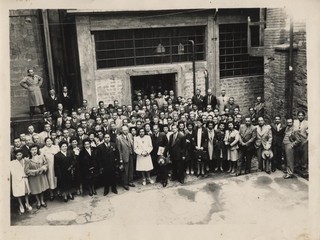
(222, 100)
(33, 83)
(209, 99)
(198, 99)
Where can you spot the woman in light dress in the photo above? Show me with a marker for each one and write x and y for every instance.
(231, 141)
(19, 179)
(36, 169)
(48, 151)
(143, 148)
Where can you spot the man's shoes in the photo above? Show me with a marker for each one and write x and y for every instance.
(90, 193)
(247, 171)
(125, 187)
(273, 170)
(268, 172)
(287, 176)
(165, 183)
(181, 181)
(94, 192)
(238, 174)
(106, 191)
(131, 185)
(71, 197)
(115, 191)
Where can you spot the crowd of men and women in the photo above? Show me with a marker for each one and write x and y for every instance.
(159, 135)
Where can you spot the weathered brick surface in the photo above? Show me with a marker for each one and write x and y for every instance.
(245, 90)
(277, 64)
(26, 51)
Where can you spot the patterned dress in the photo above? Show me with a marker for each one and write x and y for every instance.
(36, 168)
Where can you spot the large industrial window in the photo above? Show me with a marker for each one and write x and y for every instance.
(234, 57)
(118, 48)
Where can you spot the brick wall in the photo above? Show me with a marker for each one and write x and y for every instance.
(245, 90)
(26, 51)
(276, 57)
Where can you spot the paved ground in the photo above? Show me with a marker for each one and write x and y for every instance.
(257, 198)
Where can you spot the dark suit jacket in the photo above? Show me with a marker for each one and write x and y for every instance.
(62, 166)
(52, 104)
(213, 101)
(113, 136)
(66, 102)
(160, 141)
(277, 136)
(107, 158)
(176, 149)
(204, 138)
(88, 163)
(198, 101)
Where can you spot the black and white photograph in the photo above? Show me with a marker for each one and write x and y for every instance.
(179, 115)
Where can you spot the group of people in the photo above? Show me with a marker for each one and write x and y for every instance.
(160, 135)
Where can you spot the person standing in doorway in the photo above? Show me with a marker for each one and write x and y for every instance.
(33, 83)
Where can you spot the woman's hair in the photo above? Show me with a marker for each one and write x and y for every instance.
(86, 140)
(62, 142)
(34, 146)
(45, 140)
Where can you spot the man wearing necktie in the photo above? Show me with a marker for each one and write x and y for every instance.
(277, 129)
(209, 99)
(159, 140)
(108, 156)
(177, 152)
(263, 141)
(125, 146)
(198, 99)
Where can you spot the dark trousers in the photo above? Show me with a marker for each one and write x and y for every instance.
(246, 154)
(155, 170)
(277, 157)
(178, 169)
(163, 174)
(127, 175)
(109, 180)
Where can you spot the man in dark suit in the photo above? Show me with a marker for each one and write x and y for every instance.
(209, 99)
(159, 139)
(200, 144)
(277, 129)
(177, 152)
(247, 136)
(80, 136)
(198, 99)
(52, 101)
(108, 156)
(125, 145)
(66, 99)
(113, 132)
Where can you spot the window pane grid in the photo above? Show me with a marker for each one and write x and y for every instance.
(118, 48)
(234, 57)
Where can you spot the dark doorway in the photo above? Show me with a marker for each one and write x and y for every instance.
(147, 84)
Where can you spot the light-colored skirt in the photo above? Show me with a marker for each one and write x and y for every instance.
(233, 155)
(144, 163)
(52, 179)
(38, 184)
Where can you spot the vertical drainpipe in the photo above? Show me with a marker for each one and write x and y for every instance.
(48, 47)
(290, 73)
(193, 67)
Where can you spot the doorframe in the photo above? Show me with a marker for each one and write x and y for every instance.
(158, 71)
